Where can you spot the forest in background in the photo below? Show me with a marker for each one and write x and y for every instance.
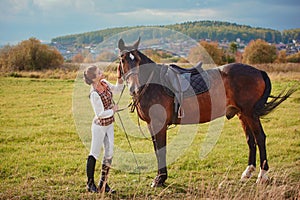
(67, 52)
(214, 30)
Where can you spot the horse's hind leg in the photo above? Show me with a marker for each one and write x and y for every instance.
(252, 151)
(260, 138)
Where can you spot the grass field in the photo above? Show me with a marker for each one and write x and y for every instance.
(42, 156)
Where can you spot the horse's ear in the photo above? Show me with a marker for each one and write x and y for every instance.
(136, 44)
(121, 44)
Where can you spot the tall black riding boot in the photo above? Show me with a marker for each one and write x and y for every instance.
(103, 186)
(90, 169)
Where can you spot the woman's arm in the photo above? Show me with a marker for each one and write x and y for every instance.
(117, 88)
(98, 106)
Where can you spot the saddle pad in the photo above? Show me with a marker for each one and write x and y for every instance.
(199, 83)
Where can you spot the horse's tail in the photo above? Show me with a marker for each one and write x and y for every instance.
(263, 107)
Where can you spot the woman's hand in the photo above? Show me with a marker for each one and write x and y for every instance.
(120, 80)
(115, 108)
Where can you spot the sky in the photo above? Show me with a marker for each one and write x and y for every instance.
(47, 19)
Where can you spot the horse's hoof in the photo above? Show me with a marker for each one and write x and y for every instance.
(154, 184)
(262, 177)
(158, 181)
(248, 173)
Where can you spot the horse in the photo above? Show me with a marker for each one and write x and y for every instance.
(235, 90)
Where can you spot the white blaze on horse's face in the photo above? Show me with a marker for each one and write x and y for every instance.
(131, 56)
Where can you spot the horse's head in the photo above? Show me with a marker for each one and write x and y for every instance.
(129, 65)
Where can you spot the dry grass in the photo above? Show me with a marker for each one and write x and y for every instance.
(42, 156)
(67, 71)
(277, 71)
(44, 74)
(281, 71)
(279, 67)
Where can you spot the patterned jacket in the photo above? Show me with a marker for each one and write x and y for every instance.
(106, 97)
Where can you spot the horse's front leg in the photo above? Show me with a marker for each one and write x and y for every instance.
(158, 134)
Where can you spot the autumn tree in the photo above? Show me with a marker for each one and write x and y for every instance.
(213, 50)
(30, 55)
(78, 58)
(206, 52)
(4, 52)
(259, 51)
(281, 57)
(233, 47)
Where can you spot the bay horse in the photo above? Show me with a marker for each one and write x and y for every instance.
(235, 89)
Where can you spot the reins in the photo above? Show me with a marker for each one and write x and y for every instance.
(133, 105)
(130, 146)
(121, 109)
(138, 98)
(125, 132)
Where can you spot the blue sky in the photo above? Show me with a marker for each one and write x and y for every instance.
(47, 19)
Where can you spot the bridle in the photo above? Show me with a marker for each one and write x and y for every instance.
(133, 69)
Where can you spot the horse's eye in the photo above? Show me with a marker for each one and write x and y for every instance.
(131, 56)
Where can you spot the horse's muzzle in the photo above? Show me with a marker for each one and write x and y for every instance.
(133, 89)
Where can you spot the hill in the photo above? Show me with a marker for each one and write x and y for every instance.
(214, 30)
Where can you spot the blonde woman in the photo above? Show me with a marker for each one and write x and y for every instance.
(101, 97)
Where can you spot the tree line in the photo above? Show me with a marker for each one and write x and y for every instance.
(32, 55)
(225, 31)
(214, 30)
(290, 35)
(93, 37)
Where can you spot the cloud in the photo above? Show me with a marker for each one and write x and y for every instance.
(168, 15)
(11, 9)
(65, 5)
(263, 14)
(52, 18)
(50, 4)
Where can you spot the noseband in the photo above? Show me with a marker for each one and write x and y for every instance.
(131, 72)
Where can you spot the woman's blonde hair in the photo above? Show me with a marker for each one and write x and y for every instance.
(89, 74)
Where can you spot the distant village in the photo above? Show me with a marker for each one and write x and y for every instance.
(178, 48)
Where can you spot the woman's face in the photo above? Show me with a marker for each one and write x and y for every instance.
(99, 76)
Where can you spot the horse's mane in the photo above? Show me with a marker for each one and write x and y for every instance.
(144, 58)
(149, 71)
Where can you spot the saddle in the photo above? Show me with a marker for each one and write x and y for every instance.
(180, 82)
(193, 70)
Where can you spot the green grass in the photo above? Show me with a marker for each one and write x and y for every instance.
(43, 157)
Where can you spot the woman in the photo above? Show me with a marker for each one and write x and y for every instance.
(102, 126)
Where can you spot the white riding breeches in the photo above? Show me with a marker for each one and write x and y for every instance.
(102, 136)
